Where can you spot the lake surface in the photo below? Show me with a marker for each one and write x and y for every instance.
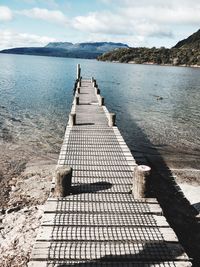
(36, 95)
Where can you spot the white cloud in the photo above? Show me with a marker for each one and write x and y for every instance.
(108, 23)
(163, 15)
(141, 20)
(54, 16)
(10, 39)
(5, 13)
(112, 24)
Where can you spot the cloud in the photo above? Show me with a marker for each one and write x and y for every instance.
(54, 16)
(5, 13)
(163, 15)
(141, 20)
(109, 23)
(11, 39)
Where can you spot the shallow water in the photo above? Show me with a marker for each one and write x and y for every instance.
(157, 107)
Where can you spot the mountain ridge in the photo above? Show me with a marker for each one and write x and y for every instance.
(193, 41)
(90, 50)
(185, 53)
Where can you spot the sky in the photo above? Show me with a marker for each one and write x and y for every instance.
(146, 23)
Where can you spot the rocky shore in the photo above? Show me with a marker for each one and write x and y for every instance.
(25, 184)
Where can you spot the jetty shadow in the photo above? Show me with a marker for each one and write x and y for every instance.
(146, 254)
(180, 214)
(85, 123)
(197, 206)
(90, 187)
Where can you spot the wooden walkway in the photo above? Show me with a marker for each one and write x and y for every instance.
(100, 223)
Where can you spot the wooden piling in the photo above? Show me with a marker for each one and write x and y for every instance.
(101, 100)
(63, 181)
(79, 83)
(94, 84)
(77, 100)
(97, 91)
(141, 175)
(72, 119)
(78, 71)
(111, 119)
(78, 90)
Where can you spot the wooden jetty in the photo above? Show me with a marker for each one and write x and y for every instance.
(91, 218)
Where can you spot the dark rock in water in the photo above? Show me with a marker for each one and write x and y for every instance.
(14, 119)
(158, 97)
(6, 135)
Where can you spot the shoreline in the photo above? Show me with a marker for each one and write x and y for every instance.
(21, 212)
(151, 63)
(107, 61)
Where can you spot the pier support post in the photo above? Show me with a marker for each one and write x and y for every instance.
(97, 91)
(141, 176)
(111, 119)
(78, 90)
(77, 100)
(79, 83)
(63, 181)
(72, 119)
(94, 83)
(78, 71)
(101, 100)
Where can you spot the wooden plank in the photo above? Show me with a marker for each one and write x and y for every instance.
(105, 233)
(109, 264)
(133, 220)
(113, 181)
(150, 251)
(106, 168)
(80, 206)
(105, 197)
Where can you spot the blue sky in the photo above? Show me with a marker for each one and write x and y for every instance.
(138, 23)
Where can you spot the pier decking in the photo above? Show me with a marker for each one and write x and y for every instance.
(100, 223)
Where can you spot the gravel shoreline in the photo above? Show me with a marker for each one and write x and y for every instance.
(25, 185)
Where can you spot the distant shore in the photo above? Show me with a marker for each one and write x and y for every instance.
(152, 63)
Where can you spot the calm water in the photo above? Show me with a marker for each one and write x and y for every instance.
(36, 95)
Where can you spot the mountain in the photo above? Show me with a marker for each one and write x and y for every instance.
(98, 47)
(185, 53)
(66, 49)
(192, 42)
(64, 45)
